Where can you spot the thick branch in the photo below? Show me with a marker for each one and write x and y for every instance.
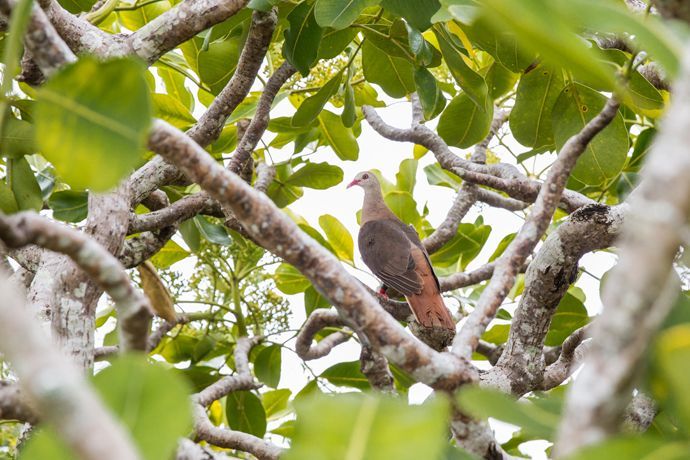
(132, 306)
(56, 387)
(547, 280)
(280, 235)
(639, 291)
(13, 404)
(180, 24)
(508, 265)
(211, 123)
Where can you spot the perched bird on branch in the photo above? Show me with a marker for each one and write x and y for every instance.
(394, 253)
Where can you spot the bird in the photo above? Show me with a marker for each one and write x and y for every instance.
(394, 253)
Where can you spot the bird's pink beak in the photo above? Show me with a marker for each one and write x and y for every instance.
(354, 182)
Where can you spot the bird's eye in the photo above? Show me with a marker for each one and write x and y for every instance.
(366, 176)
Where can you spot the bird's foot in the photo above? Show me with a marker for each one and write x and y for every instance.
(382, 293)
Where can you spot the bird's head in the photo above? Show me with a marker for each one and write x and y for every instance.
(365, 179)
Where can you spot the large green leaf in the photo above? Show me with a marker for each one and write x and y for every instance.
(393, 74)
(174, 85)
(289, 280)
(338, 237)
(275, 402)
(217, 64)
(417, 13)
(168, 255)
(368, 426)
(135, 19)
(403, 205)
(463, 247)
(406, 177)
(540, 27)
(313, 300)
(346, 374)
(310, 108)
(570, 315)
(430, 95)
(341, 139)
(267, 365)
(484, 402)
(302, 37)
(333, 42)
(470, 81)
(69, 205)
(339, 14)
(141, 395)
(530, 119)
(640, 447)
(316, 175)
(246, 413)
(18, 138)
(92, 119)
(671, 361)
(23, 183)
(501, 44)
(436, 175)
(606, 153)
(463, 124)
(173, 111)
(8, 204)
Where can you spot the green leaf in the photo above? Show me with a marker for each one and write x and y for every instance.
(77, 6)
(500, 80)
(267, 365)
(406, 177)
(429, 93)
(92, 119)
(246, 413)
(69, 205)
(463, 124)
(217, 64)
(313, 105)
(214, 233)
(141, 395)
(349, 109)
(470, 81)
(570, 315)
(289, 280)
(338, 237)
(368, 426)
(540, 27)
(173, 111)
(418, 13)
(393, 74)
(174, 86)
(8, 204)
(403, 205)
(530, 119)
(497, 334)
(502, 45)
(275, 402)
(302, 38)
(606, 153)
(45, 443)
(483, 403)
(23, 183)
(639, 447)
(642, 145)
(135, 19)
(339, 14)
(502, 245)
(319, 176)
(313, 300)
(346, 374)
(436, 175)
(642, 95)
(168, 255)
(333, 42)
(463, 247)
(18, 138)
(341, 139)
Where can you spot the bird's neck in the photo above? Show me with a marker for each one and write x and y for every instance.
(374, 207)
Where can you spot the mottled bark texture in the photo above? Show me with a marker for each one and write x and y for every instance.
(547, 279)
(55, 387)
(517, 252)
(640, 289)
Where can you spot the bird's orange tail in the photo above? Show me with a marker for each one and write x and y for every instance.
(430, 311)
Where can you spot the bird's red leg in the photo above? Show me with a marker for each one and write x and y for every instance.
(382, 292)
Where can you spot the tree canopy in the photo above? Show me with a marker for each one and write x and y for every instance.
(157, 152)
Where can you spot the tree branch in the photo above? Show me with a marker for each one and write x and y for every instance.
(640, 290)
(515, 255)
(132, 306)
(318, 320)
(56, 387)
(280, 235)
